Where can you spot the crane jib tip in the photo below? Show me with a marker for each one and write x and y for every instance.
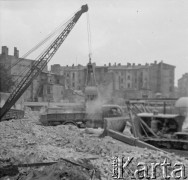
(84, 8)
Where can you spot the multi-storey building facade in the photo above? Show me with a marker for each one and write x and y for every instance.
(74, 76)
(183, 86)
(128, 81)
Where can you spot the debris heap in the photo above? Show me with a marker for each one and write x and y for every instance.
(79, 152)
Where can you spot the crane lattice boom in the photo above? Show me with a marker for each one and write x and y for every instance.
(40, 64)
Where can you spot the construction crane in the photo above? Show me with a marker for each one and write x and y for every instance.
(40, 63)
(91, 89)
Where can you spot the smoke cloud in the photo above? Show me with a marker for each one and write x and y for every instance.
(104, 97)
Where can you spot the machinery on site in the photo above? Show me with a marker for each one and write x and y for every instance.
(76, 115)
(39, 65)
(161, 130)
(90, 114)
(91, 90)
(152, 130)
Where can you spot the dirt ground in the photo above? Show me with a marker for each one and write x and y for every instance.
(80, 153)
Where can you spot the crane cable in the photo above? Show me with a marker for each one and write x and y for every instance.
(44, 40)
(52, 34)
(20, 75)
(90, 45)
(89, 36)
(36, 46)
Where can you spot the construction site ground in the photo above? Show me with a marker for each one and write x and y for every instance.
(80, 153)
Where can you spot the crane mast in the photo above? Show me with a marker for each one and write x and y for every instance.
(40, 64)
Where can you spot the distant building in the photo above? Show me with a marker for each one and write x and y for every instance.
(125, 81)
(41, 88)
(183, 86)
(117, 81)
(50, 89)
(162, 77)
(139, 81)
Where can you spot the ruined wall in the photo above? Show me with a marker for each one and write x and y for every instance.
(57, 91)
(19, 70)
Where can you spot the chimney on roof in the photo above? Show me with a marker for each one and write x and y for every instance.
(119, 64)
(4, 50)
(139, 64)
(109, 64)
(133, 64)
(16, 52)
(72, 65)
(115, 64)
(155, 62)
(128, 64)
(104, 65)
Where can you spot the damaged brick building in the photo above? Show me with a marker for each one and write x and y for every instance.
(46, 87)
(120, 81)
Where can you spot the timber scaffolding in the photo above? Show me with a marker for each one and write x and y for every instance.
(163, 105)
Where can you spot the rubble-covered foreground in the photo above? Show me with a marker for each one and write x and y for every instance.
(80, 153)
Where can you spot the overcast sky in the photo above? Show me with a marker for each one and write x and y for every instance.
(135, 31)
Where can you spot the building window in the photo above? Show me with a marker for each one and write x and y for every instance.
(128, 77)
(73, 84)
(170, 89)
(73, 75)
(128, 85)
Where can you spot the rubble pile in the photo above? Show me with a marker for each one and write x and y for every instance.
(25, 141)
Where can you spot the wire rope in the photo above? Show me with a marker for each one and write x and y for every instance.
(52, 34)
